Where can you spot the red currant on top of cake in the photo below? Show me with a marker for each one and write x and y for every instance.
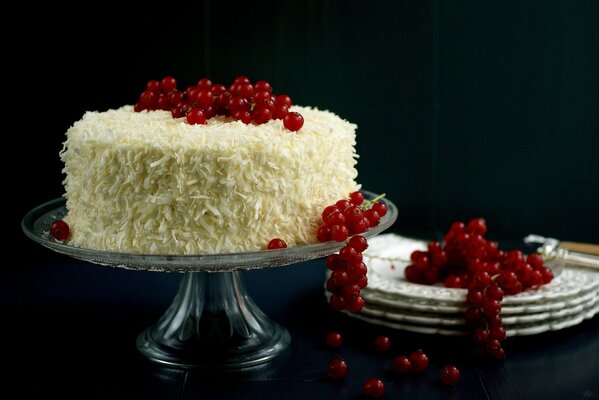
(207, 168)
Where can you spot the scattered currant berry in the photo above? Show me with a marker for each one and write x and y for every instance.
(374, 388)
(382, 343)
(276, 243)
(337, 368)
(450, 374)
(60, 230)
(293, 121)
(168, 84)
(402, 364)
(418, 360)
(334, 340)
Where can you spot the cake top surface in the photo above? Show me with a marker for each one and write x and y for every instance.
(158, 128)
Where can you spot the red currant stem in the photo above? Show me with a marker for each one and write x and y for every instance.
(396, 259)
(366, 205)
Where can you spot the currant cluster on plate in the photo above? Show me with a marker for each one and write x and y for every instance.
(467, 260)
(347, 218)
(242, 100)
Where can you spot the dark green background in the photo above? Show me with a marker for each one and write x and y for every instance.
(465, 109)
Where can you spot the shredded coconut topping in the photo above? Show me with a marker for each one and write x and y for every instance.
(143, 182)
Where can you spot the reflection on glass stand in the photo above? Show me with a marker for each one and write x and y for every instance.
(212, 322)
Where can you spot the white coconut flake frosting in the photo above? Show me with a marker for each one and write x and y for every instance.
(147, 183)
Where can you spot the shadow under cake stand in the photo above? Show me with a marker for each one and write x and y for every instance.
(212, 322)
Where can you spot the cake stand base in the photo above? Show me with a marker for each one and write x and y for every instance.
(213, 324)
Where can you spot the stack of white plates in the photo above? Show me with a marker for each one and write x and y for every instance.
(392, 301)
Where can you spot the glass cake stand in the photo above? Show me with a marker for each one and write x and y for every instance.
(212, 322)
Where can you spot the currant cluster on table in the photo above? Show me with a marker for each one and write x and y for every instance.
(242, 100)
(467, 260)
(347, 218)
(374, 387)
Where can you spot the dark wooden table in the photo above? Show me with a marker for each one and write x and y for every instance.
(69, 329)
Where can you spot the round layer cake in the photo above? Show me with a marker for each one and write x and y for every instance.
(144, 182)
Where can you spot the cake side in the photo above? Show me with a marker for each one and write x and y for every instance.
(143, 182)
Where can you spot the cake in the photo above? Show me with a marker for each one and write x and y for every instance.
(145, 182)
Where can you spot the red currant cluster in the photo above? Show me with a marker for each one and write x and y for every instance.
(348, 275)
(345, 218)
(350, 217)
(468, 260)
(242, 101)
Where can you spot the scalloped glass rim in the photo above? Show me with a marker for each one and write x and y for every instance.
(36, 224)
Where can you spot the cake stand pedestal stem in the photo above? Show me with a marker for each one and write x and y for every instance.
(213, 323)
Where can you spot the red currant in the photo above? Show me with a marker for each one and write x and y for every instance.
(355, 270)
(359, 243)
(356, 198)
(335, 263)
(263, 86)
(244, 89)
(339, 232)
(153, 86)
(362, 281)
(147, 98)
(340, 278)
(324, 233)
(283, 99)
(336, 218)
(356, 304)
(481, 335)
(60, 230)
(374, 388)
(419, 360)
(205, 84)
(261, 115)
(334, 340)
(382, 344)
(450, 374)
(380, 208)
(328, 212)
(477, 225)
(348, 254)
(196, 116)
(280, 111)
(337, 368)
(402, 364)
(293, 121)
(243, 116)
(337, 302)
(342, 205)
(276, 243)
(168, 84)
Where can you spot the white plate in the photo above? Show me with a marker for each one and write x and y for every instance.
(376, 297)
(513, 330)
(457, 319)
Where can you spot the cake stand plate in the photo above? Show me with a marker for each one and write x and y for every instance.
(212, 322)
